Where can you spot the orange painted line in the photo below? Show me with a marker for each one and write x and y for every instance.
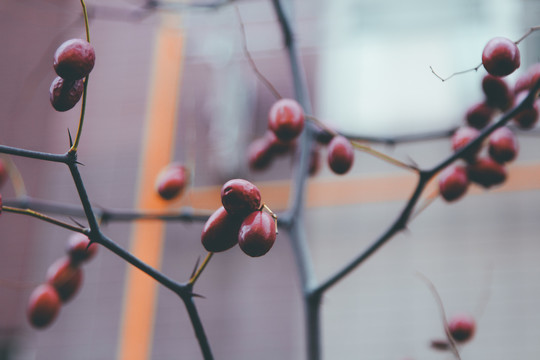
(140, 295)
(337, 191)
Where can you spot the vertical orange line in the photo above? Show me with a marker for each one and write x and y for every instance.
(140, 295)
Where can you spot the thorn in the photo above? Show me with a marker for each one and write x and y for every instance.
(76, 222)
(79, 163)
(195, 268)
(70, 139)
(197, 295)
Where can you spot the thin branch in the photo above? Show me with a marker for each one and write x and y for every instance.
(43, 217)
(456, 73)
(200, 269)
(531, 30)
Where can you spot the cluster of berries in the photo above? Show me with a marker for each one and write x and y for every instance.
(500, 58)
(241, 220)
(63, 280)
(285, 123)
(73, 61)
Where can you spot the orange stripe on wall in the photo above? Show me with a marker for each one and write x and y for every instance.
(140, 295)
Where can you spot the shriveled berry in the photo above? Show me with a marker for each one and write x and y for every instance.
(257, 234)
(486, 172)
(501, 56)
(497, 92)
(453, 182)
(78, 249)
(526, 118)
(171, 181)
(43, 306)
(74, 59)
(462, 327)
(286, 119)
(259, 154)
(240, 197)
(340, 155)
(65, 277)
(479, 115)
(503, 145)
(463, 136)
(65, 94)
(220, 232)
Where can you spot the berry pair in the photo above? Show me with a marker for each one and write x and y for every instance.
(73, 61)
(64, 279)
(241, 220)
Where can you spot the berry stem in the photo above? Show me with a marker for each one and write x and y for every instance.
(382, 156)
(200, 269)
(274, 216)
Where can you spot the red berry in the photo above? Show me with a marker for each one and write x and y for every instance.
(323, 137)
(527, 80)
(486, 172)
(171, 181)
(453, 182)
(340, 155)
(220, 232)
(3, 172)
(277, 146)
(479, 115)
(503, 145)
(65, 277)
(462, 137)
(78, 249)
(462, 327)
(65, 94)
(257, 234)
(74, 59)
(501, 56)
(526, 118)
(240, 197)
(43, 306)
(259, 154)
(286, 119)
(497, 92)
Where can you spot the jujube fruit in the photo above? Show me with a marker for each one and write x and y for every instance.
(497, 92)
(240, 197)
(503, 145)
(501, 56)
(43, 306)
(486, 172)
(65, 277)
(286, 119)
(463, 136)
(479, 115)
(340, 155)
(65, 94)
(74, 59)
(220, 231)
(462, 327)
(78, 248)
(257, 234)
(453, 182)
(171, 181)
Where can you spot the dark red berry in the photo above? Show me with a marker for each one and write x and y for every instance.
(453, 182)
(486, 172)
(497, 92)
(65, 94)
(323, 137)
(171, 181)
(43, 306)
(503, 145)
(526, 118)
(74, 59)
(277, 146)
(65, 277)
(240, 197)
(286, 119)
(501, 56)
(462, 327)
(340, 155)
(259, 154)
(220, 232)
(257, 234)
(78, 249)
(528, 79)
(479, 115)
(462, 137)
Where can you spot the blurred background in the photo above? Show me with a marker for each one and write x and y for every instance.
(183, 74)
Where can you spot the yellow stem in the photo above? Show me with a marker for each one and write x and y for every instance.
(43, 217)
(201, 268)
(382, 156)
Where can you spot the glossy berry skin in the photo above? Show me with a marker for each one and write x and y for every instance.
(462, 137)
(501, 56)
(65, 277)
(503, 145)
(497, 92)
(74, 59)
(462, 327)
(257, 234)
(78, 249)
(528, 117)
(43, 306)
(171, 181)
(340, 155)
(479, 115)
(240, 197)
(286, 119)
(486, 172)
(453, 182)
(65, 94)
(220, 232)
